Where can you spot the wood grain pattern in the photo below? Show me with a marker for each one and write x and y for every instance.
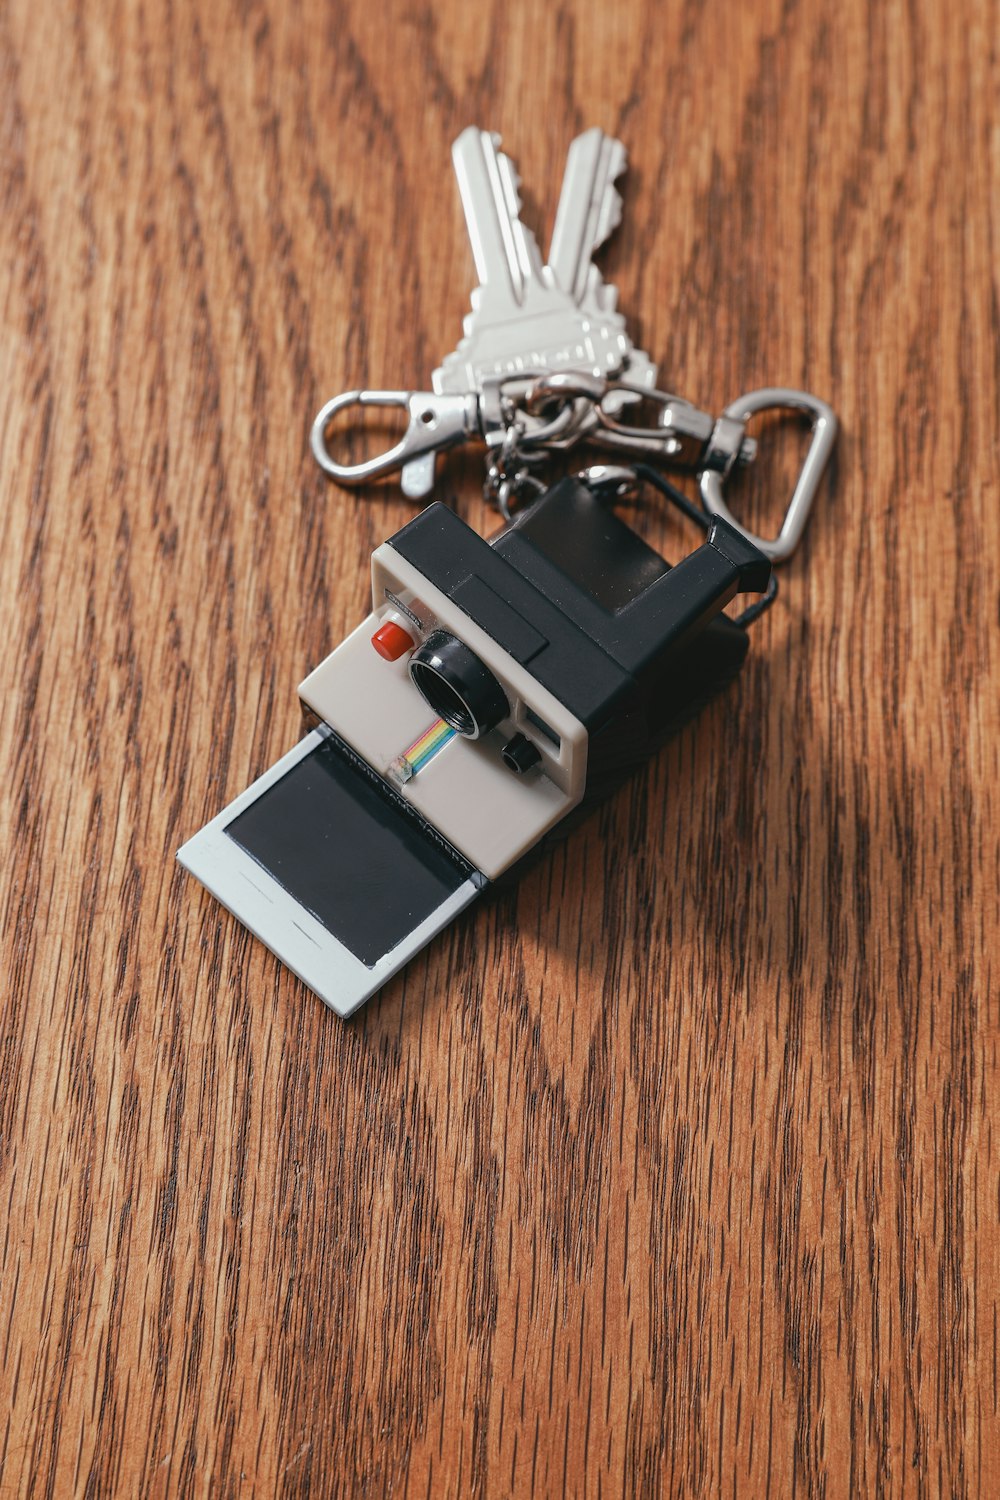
(672, 1172)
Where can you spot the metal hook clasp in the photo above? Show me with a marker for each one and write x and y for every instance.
(435, 423)
(824, 434)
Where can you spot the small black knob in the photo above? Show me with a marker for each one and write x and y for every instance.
(519, 754)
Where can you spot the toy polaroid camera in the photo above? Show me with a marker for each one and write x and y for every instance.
(496, 687)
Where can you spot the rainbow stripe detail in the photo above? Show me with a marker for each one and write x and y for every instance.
(423, 749)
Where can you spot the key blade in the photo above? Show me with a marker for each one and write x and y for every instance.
(590, 208)
(505, 252)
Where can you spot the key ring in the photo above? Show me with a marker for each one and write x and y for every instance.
(501, 486)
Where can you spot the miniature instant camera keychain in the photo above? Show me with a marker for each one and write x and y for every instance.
(498, 686)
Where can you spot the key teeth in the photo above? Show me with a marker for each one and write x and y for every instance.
(609, 220)
(617, 158)
(602, 294)
(513, 180)
(611, 215)
(513, 189)
(507, 168)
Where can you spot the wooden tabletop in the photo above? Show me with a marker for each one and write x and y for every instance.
(671, 1171)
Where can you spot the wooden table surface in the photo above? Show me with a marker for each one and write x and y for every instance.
(674, 1170)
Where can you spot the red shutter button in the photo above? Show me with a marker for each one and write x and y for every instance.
(391, 641)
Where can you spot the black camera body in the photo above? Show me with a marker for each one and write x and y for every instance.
(497, 690)
(630, 645)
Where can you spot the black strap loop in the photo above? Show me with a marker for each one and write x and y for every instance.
(703, 519)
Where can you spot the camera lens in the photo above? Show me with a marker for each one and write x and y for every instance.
(458, 686)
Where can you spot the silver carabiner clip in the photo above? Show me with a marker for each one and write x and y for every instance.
(435, 423)
(824, 434)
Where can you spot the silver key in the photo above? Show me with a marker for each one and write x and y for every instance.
(523, 319)
(590, 209)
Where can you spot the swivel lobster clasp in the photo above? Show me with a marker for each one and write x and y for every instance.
(435, 423)
(824, 434)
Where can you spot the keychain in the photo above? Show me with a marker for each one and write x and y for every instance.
(499, 687)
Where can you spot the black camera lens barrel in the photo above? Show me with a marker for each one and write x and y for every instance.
(459, 687)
